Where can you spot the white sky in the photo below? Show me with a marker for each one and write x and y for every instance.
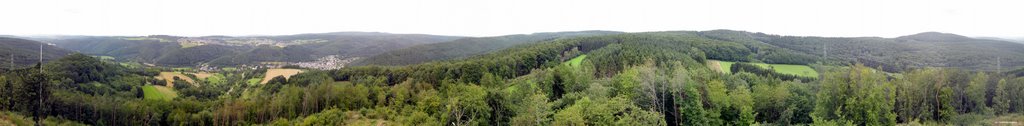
(885, 18)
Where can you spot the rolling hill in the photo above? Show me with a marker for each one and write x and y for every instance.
(228, 50)
(928, 49)
(26, 52)
(466, 47)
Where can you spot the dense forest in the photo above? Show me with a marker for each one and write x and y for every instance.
(19, 53)
(466, 47)
(651, 78)
(228, 51)
(928, 49)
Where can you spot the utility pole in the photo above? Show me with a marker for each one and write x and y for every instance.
(12, 58)
(40, 53)
(824, 50)
(39, 89)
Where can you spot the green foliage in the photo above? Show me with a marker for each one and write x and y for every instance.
(861, 95)
(329, 117)
(25, 53)
(1003, 98)
(976, 90)
(655, 78)
(166, 50)
(466, 47)
(691, 107)
(743, 102)
(465, 105)
(534, 114)
(929, 86)
(899, 54)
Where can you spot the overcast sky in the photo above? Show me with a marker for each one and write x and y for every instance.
(884, 18)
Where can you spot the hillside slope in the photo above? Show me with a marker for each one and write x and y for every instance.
(26, 52)
(929, 49)
(466, 47)
(183, 51)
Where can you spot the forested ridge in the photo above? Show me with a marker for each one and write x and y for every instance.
(466, 47)
(649, 78)
(229, 51)
(24, 53)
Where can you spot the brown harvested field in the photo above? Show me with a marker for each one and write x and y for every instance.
(169, 78)
(202, 75)
(271, 73)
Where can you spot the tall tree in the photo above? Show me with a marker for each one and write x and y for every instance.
(976, 92)
(861, 95)
(1001, 100)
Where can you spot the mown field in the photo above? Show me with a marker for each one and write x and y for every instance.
(575, 62)
(799, 70)
(159, 92)
(169, 78)
(271, 73)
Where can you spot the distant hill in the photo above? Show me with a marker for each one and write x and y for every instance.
(929, 49)
(466, 47)
(1017, 40)
(26, 52)
(228, 50)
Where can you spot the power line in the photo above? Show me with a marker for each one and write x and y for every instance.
(999, 65)
(12, 57)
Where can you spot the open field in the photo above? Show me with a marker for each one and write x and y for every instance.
(202, 75)
(169, 78)
(799, 70)
(189, 44)
(575, 62)
(159, 92)
(271, 73)
(105, 57)
(182, 69)
(216, 79)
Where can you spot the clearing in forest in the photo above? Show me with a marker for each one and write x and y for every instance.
(157, 92)
(271, 73)
(799, 70)
(575, 62)
(202, 75)
(169, 78)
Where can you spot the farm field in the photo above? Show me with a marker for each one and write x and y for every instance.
(216, 79)
(271, 73)
(799, 70)
(169, 78)
(202, 75)
(158, 92)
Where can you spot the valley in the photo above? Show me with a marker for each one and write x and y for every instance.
(511, 63)
(618, 78)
